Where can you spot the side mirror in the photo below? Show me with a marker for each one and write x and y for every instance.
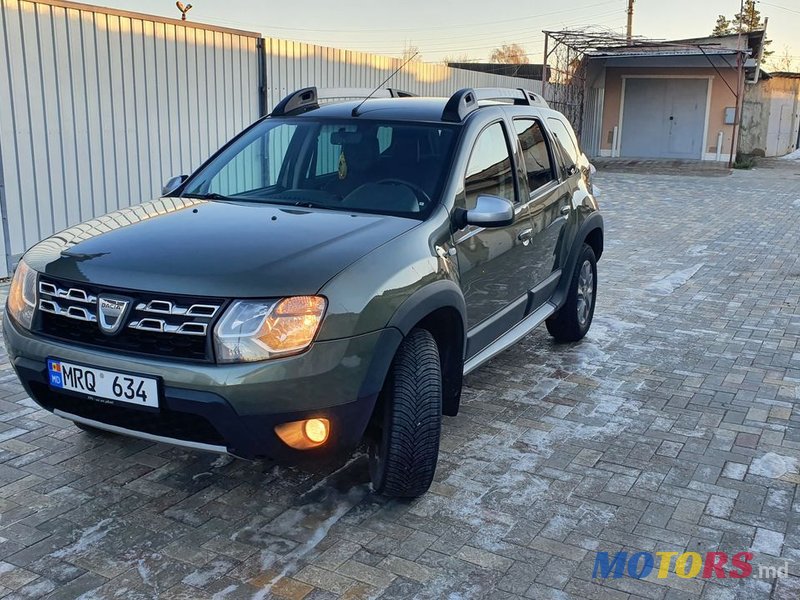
(491, 211)
(173, 184)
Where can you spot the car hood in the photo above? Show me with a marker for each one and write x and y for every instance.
(214, 248)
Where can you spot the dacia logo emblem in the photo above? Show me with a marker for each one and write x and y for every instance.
(111, 313)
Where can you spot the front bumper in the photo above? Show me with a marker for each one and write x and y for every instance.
(224, 408)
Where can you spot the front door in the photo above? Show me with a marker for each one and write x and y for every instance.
(494, 263)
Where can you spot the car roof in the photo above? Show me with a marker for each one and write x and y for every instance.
(391, 109)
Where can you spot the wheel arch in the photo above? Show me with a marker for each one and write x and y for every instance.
(590, 232)
(440, 309)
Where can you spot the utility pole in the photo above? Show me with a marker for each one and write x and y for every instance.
(630, 21)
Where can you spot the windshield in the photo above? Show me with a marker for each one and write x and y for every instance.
(392, 168)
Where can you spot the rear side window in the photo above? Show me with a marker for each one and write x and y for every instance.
(536, 153)
(566, 139)
(489, 171)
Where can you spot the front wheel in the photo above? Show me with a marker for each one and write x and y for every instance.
(405, 446)
(572, 321)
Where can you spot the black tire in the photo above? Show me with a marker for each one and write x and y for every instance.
(567, 325)
(405, 446)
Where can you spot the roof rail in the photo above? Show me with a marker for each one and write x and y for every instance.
(308, 98)
(464, 101)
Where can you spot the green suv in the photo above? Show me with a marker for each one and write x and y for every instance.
(327, 278)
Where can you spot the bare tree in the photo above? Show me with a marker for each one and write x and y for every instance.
(784, 63)
(411, 52)
(511, 54)
(457, 58)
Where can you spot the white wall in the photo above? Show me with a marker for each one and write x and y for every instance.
(101, 107)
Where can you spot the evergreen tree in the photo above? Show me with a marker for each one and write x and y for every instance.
(746, 21)
(723, 26)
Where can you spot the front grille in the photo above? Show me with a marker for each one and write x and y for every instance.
(178, 327)
(164, 423)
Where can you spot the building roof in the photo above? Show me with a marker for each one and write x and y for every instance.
(525, 71)
(784, 74)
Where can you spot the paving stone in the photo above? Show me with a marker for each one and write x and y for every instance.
(669, 427)
(734, 470)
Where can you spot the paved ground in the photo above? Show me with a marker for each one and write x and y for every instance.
(671, 427)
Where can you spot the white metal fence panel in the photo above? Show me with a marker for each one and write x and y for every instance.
(294, 65)
(99, 107)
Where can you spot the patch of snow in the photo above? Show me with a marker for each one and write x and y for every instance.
(768, 542)
(792, 156)
(222, 594)
(773, 465)
(204, 576)
(88, 538)
(778, 499)
(222, 460)
(340, 504)
(670, 283)
(698, 250)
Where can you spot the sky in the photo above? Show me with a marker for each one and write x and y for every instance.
(469, 28)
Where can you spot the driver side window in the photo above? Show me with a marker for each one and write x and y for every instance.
(489, 172)
(255, 167)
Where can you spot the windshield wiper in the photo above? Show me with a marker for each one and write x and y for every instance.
(211, 196)
(307, 204)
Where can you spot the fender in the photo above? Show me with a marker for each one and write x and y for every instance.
(422, 303)
(439, 294)
(592, 222)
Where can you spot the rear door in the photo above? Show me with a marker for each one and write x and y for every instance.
(548, 193)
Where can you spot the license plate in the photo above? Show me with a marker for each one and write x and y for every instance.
(99, 383)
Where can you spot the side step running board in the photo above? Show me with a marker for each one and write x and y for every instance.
(511, 337)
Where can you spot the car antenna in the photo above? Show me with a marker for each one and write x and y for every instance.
(384, 82)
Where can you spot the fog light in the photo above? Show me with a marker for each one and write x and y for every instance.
(316, 430)
(303, 435)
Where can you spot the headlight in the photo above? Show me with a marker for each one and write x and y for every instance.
(22, 295)
(258, 330)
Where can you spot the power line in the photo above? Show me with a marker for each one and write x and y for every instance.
(413, 29)
(491, 40)
(791, 10)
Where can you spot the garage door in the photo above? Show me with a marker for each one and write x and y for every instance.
(664, 118)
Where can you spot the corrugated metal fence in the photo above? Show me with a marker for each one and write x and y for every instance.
(294, 65)
(99, 107)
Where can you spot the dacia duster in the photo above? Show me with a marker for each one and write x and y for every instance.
(327, 278)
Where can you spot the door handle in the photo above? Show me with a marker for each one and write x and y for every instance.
(525, 236)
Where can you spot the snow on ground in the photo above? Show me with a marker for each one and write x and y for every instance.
(793, 156)
(774, 465)
(88, 538)
(670, 283)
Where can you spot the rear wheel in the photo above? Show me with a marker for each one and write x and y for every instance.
(405, 446)
(573, 320)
